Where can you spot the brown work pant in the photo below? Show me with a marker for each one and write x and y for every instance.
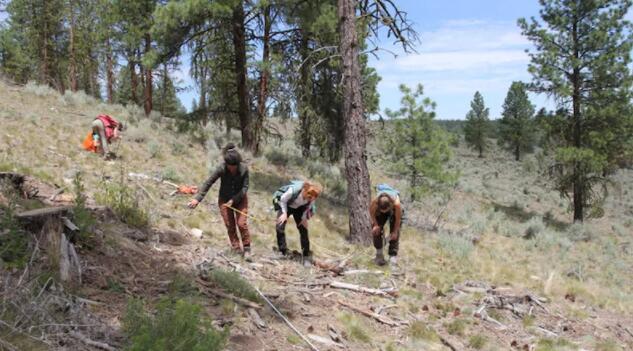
(232, 218)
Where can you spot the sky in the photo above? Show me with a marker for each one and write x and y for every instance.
(465, 46)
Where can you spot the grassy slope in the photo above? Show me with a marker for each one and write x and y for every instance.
(497, 201)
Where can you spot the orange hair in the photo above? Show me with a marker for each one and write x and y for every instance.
(312, 189)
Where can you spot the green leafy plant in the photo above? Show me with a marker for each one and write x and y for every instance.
(233, 283)
(82, 216)
(176, 326)
(125, 204)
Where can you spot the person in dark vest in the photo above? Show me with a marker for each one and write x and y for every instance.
(106, 129)
(297, 200)
(232, 198)
(385, 207)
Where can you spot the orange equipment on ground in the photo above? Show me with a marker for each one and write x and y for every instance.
(89, 143)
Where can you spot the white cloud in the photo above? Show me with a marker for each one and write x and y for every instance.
(460, 60)
(455, 60)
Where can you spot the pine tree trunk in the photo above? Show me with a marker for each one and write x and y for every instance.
(148, 105)
(577, 176)
(133, 78)
(109, 72)
(163, 97)
(517, 153)
(239, 45)
(358, 184)
(263, 83)
(44, 70)
(481, 151)
(72, 59)
(304, 98)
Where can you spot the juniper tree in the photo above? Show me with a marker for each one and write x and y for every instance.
(477, 126)
(583, 49)
(418, 147)
(516, 127)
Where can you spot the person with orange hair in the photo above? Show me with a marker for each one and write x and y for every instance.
(385, 207)
(296, 199)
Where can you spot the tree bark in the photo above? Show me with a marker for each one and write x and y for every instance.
(163, 97)
(72, 60)
(263, 83)
(148, 78)
(45, 75)
(131, 64)
(358, 184)
(304, 98)
(109, 72)
(517, 153)
(239, 46)
(576, 115)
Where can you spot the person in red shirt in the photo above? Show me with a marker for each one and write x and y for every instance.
(106, 129)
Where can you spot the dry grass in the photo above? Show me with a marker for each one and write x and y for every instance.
(498, 202)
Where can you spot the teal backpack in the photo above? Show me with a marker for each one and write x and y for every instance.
(387, 189)
(297, 186)
(393, 193)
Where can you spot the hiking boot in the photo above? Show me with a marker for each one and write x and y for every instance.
(110, 156)
(307, 261)
(281, 255)
(393, 261)
(248, 255)
(233, 252)
(380, 259)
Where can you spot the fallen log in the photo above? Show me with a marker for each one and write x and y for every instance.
(209, 291)
(89, 342)
(325, 341)
(361, 271)
(371, 314)
(326, 266)
(43, 212)
(256, 319)
(362, 289)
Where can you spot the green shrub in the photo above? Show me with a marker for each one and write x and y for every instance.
(124, 202)
(457, 327)
(354, 327)
(533, 228)
(176, 326)
(477, 341)
(529, 165)
(454, 245)
(277, 158)
(421, 331)
(578, 232)
(40, 90)
(82, 217)
(14, 243)
(170, 174)
(177, 149)
(154, 149)
(553, 344)
(233, 283)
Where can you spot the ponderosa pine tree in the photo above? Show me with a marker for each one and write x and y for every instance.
(582, 57)
(418, 147)
(378, 13)
(516, 127)
(477, 127)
